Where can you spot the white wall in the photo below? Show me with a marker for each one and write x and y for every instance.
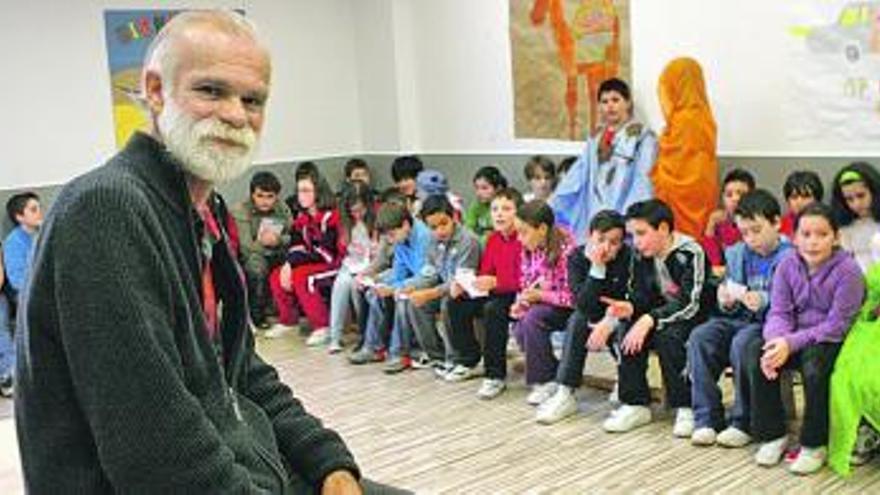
(55, 95)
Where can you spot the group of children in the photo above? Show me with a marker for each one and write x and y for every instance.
(417, 274)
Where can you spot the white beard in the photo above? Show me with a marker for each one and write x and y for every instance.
(192, 143)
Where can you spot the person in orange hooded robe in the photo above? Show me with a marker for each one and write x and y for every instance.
(685, 174)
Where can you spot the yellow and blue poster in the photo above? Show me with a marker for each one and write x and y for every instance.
(129, 33)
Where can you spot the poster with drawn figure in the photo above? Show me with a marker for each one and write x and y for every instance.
(561, 51)
(834, 72)
(128, 34)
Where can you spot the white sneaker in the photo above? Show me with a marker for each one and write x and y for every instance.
(733, 437)
(561, 405)
(541, 392)
(626, 418)
(318, 337)
(770, 453)
(684, 423)
(277, 331)
(808, 460)
(335, 347)
(460, 373)
(491, 388)
(703, 437)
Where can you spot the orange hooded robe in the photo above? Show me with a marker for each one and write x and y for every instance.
(685, 174)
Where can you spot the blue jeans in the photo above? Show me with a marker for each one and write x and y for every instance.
(712, 346)
(7, 345)
(344, 296)
(377, 324)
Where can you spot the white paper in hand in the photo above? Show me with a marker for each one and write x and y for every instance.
(268, 224)
(465, 277)
(735, 290)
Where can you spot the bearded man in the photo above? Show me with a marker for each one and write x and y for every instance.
(136, 371)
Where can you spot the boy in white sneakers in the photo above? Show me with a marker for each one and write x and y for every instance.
(666, 300)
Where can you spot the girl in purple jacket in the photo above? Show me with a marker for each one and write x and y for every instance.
(815, 295)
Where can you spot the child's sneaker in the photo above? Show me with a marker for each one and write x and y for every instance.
(335, 347)
(277, 331)
(365, 355)
(441, 368)
(318, 338)
(808, 461)
(770, 453)
(627, 418)
(684, 423)
(491, 388)
(734, 438)
(541, 392)
(460, 373)
(703, 437)
(558, 407)
(396, 365)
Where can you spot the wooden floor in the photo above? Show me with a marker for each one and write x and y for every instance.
(414, 431)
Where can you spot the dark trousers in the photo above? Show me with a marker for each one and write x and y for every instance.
(670, 346)
(494, 311)
(815, 363)
(574, 351)
(532, 333)
(256, 270)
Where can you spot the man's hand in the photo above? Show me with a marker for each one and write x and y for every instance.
(752, 301)
(286, 277)
(635, 338)
(599, 336)
(621, 310)
(341, 483)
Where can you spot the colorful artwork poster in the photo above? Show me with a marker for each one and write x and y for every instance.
(128, 34)
(561, 51)
(834, 74)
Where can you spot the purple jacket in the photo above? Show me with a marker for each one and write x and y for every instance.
(809, 309)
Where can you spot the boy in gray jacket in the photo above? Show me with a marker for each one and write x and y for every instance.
(452, 247)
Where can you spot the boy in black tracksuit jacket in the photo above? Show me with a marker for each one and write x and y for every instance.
(667, 297)
(596, 271)
(591, 282)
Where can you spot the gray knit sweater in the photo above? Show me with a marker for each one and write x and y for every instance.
(119, 388)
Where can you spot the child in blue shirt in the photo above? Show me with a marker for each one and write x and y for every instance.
(743, 298)
(24, 211)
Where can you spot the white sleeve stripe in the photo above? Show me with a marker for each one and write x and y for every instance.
(689, 311)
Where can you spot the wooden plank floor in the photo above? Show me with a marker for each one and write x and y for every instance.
(414, 431)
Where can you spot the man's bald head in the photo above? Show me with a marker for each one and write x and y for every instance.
(192, 29)
(206, 83)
